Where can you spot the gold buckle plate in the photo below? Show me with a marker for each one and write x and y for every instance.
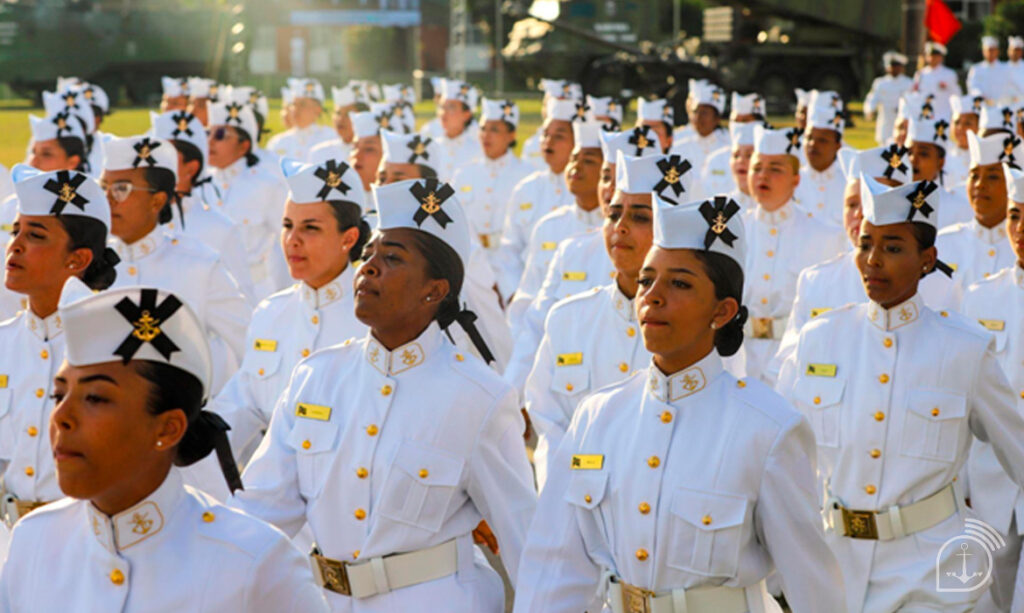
(334, 575)
(762, 327)
(636, 600)
(859, 524)
(27, 506)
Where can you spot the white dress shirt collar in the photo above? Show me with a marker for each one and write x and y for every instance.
(685, 383)
(406, 357)
(140, 248)
(140, 522)
(329, 293)
(45, 328)
(905, 313)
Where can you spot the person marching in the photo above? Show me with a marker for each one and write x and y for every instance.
(822, 181)
(882, 102)
(367, 151)
(459, 145)
(936, 79)
(307, 101)
(990, 76)
(966, 118)
(895, 392)
(340, 148)
(927, 142)
(648, 507)
(398, 416)
(128, 410)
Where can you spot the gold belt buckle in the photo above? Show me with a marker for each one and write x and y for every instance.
(636, 600)
(27, 506)
(762, 327)
(485, 241)
(859, 524)
(334, 575)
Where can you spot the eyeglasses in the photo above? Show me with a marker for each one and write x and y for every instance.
(120, 190)
(221, 133)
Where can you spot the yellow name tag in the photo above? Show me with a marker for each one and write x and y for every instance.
(312, 411)
(996, 325)
(467, 188)
(569, 359)
(819, 311)
(263, 344)
(3, 381)
(718, 173)
(821, 370)
(574, 276)
(548, 245)
(6, 227)
(587, 462)
(526, 206)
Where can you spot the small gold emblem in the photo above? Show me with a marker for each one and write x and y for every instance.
(67, 193)
(720, 223)
(431, 204)
(141, 523)
(642, 142)
(333, 179)
(672, 176)
(408, 358)
(587, 462)
(690, 382)
(146, 328)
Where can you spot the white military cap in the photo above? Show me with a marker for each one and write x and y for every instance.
(883, 206)
(72, 102)
(891, 162)
(934, 130)
(424, 204)
(655, 110)
(384, 114)
(640, 141)
(249, 96)
(999, 148)
(410, 149)
(175, 87)
(235, 115)
(60, 192)
(402, 117)
(931, 47)
(500, 110)
(306, 88)
(711, 95)
(561, 109)
(343, 96)
(973, 102)
(135, 323)
(705, 225)
(140, 152)
(201, 87)
(605, 106)
(825, 99)
(362, 94)
(669, 176)
(749, 104)
(803, 97)
(329, 180)
(571, 89)
(1014, 184)
(1015, 42)
(452, 89)
(586, 135)
(183, 126)
(59, 125)
(393, 93)
(996, 118)
(776, 142)
(893, 57)
(364, 124)
(988, 42)
(95, 95)
(552, 87)
(826, 118)
(742, 133)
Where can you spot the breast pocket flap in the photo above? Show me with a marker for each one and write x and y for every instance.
(709, 511)
(586, 489)
(937, 405)
(819, 392)
(310, 436)
(429, 466)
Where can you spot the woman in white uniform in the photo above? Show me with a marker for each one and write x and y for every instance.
(322, 232)
(131, 537)
(682, 488)
(394, 446)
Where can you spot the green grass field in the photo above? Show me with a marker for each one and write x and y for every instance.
(129, 121)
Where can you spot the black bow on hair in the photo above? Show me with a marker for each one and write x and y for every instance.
(893, 157)
(793, 136)
(418, 146)
(640, 139)
(61, 121)
(718, 214)
(1009, 144)
(1007, 118)
(66, 190)
(977, 102)
(70, 100)
(612, 125)
(940, 130)
(926, 111)
(672, 170)
(146, 317)
(581, 111)
(330, 173)
(919, 200)
(431, 196)
(466, 319)
(181, 120)
(214, 426)
(143, 152)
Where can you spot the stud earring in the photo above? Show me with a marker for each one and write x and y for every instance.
(159, 443)
(429, 298)
(714, 326)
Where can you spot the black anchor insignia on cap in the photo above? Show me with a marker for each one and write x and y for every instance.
(672, 170)
(640, 139)
(70, 100)
(330, 173)
(181, 120)
(893, 157)
(581, 111)
(837, 120)
(234, 113)
(61, 121)
(940, 130)
(144, 152)
(718, 214)
(146, 318)
(926, 111)
(919, 200)
(508, 109)
(384, 119)
(418, 146)
(976, 103)
(431, 195)
(793, 136)
(1007, 118)
(1009, 144)
(612, 125)
(66, 190)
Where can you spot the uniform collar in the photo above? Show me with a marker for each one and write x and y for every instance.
(1018, 275)
(990, 236)
(502, 161)
(46, 328)
(142, 521)
(232, 171)
(329, 293)
(622, 304)
(898, 316)
(406, 357)
(140, 248)
(826, 175)
(774, 218)
(591, 219)
(685, 383)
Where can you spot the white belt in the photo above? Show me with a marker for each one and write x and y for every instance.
(765, 327)
(626, 598)
(383, 574)
(894, 522)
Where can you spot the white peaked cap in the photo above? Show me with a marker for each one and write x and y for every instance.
(552, 87)
(891, 162)
(987, 42)
(384, 114)
(776, 142)
(249, 96)
(803, 97)
(934, 130)
(142, 151)
(1015, 42)
(586, 135)
(826, 118)
(500, 110)
(742, 133)
(94, 94)
(655, 110)
(328, 180)
(1014, 183)
(343, 96)
(998, 148)
(364, 124)
(199, 87)
(306, 88)
(825, 99)
(705, 225)
(235, 115)
(174, 87)
(884, 206)
(669, 176)
(410, 149)
(971, 103)
(135, 323)
(60, 192)
(638, 142)
(934, 47)
(893, 57)
(562, 88)
(405, 117)
(72, 102)
(183, 126)
(749, 104)
(996, 118)
(59, 125)
(429, 205)
(605, 106)
(392, 93)
(561, 109)
(711, 95)
(452, 89)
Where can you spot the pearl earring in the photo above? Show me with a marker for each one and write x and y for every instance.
(429, 298)
(714, 326)
(159, 443)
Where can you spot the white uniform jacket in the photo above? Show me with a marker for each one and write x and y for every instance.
(942, 82)
(884, 102)
(296, 143)
(992, 79)
(974, 252)
(716, 176)
(531, 153)
(397, 452)
(663, 499)
(484, 188)
(458, 152)
(894, 397)
(177, 550)
(821, 193)
(218, 232)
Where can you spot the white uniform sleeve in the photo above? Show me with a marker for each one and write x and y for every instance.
(798, 316)
(871, 100)
(235, 260)
(550, 413)
(227, 312)
(514, 238)
(282, 581)
(237, 405)
(994, 417)
(972, 79)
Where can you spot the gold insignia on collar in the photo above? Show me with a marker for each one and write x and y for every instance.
(141, 523)
(587, 462)
(263, 344)
(819, 311)
(146, 327)
(821, 370)
(569, 359)
(690, 383)
(995, 325)
(408, 358)
(906, 314)
(312, 411)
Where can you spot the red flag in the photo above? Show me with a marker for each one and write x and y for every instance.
(942, 24)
